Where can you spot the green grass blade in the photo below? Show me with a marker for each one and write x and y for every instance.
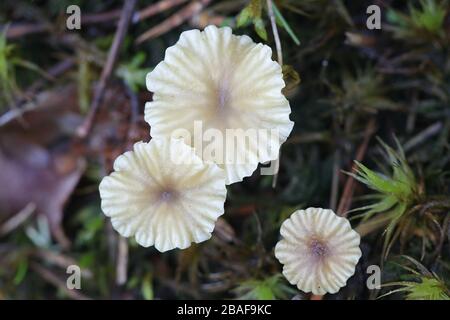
(285, 25)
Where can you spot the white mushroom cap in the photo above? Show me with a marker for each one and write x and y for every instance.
(319, 250)
(226, 82)
(160, 201)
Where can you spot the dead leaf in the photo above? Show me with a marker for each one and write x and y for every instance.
(32, 174)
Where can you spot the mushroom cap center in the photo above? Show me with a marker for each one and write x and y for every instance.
(318, 248)
(222, 103)
(223, 95)
(168, 195)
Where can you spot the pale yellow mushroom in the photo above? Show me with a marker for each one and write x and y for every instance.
(319, 250)
(225, 82)
(163, 194)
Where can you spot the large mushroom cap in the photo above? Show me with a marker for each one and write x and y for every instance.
(319, 250)
(224, 82)
(163, 194)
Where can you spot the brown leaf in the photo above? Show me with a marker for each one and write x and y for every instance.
(38, 162)
(32, 174)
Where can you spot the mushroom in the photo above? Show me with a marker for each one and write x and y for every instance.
(163, 194)
(226, 84)
(319, 250)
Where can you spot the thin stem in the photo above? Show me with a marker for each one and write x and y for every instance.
(276, 37)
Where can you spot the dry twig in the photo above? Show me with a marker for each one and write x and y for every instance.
(19, 30)
(18, 110)
(122, 28)
(17, 219)
(347, 195)
(57, 282)
(173, 21)
(122, 261)
(156, 8)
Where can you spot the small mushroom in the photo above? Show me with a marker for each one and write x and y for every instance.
(225, 82)
(163, 194)
(319, 250)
